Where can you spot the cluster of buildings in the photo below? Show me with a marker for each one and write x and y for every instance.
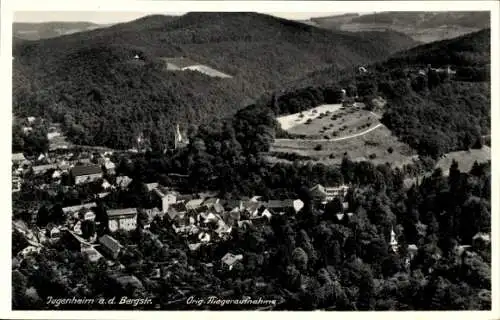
(81, 168)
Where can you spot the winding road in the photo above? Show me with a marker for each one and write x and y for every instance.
(336, 139)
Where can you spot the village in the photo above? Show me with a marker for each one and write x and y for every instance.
(200, 219)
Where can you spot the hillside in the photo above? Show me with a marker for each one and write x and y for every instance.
(90, 82)
(421, 26)
(430, 110)
(469, 50)
(37, 31)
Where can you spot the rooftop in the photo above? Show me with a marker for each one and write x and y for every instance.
(122, 212)
(110, 243)
(83, 170)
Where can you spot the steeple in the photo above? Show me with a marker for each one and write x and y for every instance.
(393, 243)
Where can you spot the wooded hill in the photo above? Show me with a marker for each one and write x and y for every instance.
(433, 112)
(90, 82)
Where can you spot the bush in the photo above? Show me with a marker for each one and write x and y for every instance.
(308, 121)
(372, 156)
(390, 150)
(318, 147)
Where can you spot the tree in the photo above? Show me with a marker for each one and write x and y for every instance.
(300, 259)
(88, 229)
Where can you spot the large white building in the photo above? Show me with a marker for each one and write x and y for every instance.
(122, 219)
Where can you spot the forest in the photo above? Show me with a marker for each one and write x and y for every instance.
(91, 84)
(306, 261)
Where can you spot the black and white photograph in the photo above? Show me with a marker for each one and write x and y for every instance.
(253, 160)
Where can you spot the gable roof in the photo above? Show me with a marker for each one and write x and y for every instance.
(193, 204)
(231, 259)
(110, 243)
(122, 212)
(211, 201)
(18, 157)
(123, 181)
(79, 207)
(82, 170)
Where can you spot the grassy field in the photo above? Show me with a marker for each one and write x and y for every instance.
(378, 146)
(465, 159)
(344, 122)
(300, 118)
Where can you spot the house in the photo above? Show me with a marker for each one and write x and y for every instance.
(29, 250)
(284, 206)
(229, 260)
(31, 119)
(52, 135)
(18, 157)
(16, 184)
(194, 204)
(204, 237)
(86, 173)
(123, 182)
(251, 208)
(77, 208)
(323, 194)
(110, 246)
(122, 219)
(263, 212)
(167, 198)
(91, 253)
(234, 204)
(194, 246)
(393, 243)
(106, 185)
(152, 186)
(56, 174)
(43, 168)
(412, 251)
(222, 228)
(54, 232)
(210, 202)
(481, 240)
(109, 167)
(176, 211)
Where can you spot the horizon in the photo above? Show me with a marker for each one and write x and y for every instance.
(113, 17)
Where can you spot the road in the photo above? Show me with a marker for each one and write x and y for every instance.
(336, 139)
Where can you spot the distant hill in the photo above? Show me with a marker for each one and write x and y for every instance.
(91, 82)
(467, 53)
(421, 26)
(469, 50)
(45, 30)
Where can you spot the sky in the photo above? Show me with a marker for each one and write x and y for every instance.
(102, 17)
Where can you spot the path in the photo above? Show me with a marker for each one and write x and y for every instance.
(336, 139)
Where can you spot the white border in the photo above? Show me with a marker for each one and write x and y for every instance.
(7, 8)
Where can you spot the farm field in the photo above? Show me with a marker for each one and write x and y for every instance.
(299, 118)
(378, 146)
(342, 123)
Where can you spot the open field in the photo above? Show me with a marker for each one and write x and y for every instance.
(374, 146)
(344, 122)
(299, 118)
(465, 159)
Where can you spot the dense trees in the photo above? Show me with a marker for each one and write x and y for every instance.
(90, 82)
(452, 116)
